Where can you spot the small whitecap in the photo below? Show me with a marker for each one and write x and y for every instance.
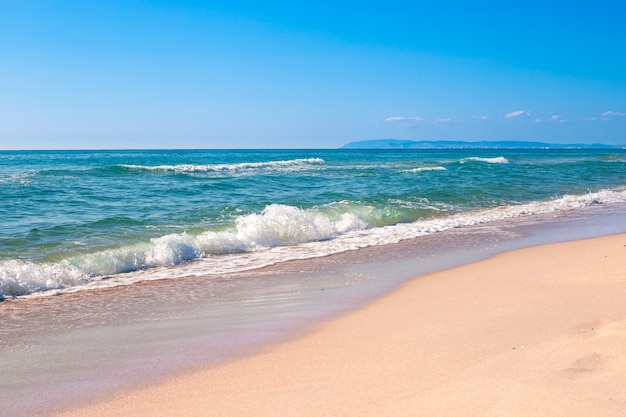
(496, 160)
(229, 168)
(423, 169)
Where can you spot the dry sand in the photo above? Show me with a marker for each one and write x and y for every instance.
(534, 332)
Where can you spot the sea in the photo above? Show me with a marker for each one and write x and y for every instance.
(73, 221)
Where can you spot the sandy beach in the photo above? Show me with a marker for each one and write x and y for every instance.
(539, 331)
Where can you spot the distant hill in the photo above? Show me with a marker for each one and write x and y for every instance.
(451, 144)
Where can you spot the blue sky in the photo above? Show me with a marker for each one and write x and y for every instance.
(243, 74)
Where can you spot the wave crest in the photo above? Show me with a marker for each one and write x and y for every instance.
(496, 160)
(229, 168)
(422, 169)
(21, 278)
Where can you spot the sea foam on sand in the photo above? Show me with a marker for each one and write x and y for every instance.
(533, 332)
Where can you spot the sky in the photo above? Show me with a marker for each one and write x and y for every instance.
(272, 74)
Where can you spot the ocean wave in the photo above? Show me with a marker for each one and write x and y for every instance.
(276, 226)
(21, 277)
(229, 168)
(496, 160)
(20, 179)
(277, 234)
(613, 159)
(422, 169)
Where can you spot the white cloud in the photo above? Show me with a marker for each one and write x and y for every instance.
(591, 118)
(405, 121)
(558, 118)
(443, 120)
(517, 114)
(482, 118)
(612, 113)
(393, 119)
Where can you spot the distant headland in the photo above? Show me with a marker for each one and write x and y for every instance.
(451, 144)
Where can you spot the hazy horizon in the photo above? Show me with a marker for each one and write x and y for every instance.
(346, 145)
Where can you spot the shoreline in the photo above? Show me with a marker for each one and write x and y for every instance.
(65, 351)
(501, 336)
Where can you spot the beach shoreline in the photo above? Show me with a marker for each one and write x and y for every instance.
(62, 352)
(535, 331)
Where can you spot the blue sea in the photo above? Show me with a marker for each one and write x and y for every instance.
(77, 220)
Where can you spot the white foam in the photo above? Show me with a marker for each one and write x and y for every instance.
(172, 249)
(496, 160)
(280, 225)
(423, 169)
(21, 278)
(22, 179)
(230, 168)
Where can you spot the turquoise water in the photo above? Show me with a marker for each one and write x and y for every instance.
(79, 219)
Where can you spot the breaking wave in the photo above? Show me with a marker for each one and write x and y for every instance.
(230, 168)
(423, 169)
(276, 234)
(496, 160)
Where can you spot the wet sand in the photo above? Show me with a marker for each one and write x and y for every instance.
(538, 331)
